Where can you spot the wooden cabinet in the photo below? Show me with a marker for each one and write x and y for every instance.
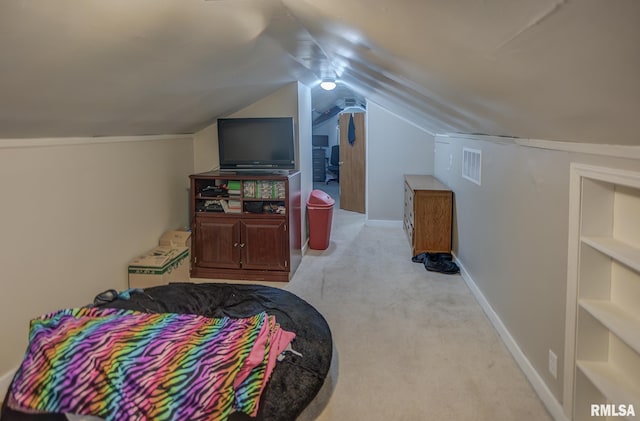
(319, 164)
(264, 243)
(428, 206)
(245, 226)
(216, 242)
(603, 305)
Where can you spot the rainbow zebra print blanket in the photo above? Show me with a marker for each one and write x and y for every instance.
(123, 364)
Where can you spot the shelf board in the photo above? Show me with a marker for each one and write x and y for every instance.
(613, 383)
(200, 197)
(624, 324)
(616, 249)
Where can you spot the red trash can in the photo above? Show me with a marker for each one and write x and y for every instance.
(320, 208)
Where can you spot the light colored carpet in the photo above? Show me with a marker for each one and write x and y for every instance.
(409, 344)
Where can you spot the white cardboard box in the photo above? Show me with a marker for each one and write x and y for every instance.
(159, 267)
(176, 238)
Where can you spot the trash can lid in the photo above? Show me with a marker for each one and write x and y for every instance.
(320, 198)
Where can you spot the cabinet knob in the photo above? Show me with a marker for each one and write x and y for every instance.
(235, 244)
(241, 245)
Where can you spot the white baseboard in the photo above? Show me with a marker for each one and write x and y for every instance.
(550, 402)
(383, 223)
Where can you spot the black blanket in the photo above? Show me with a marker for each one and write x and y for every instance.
(294, 382)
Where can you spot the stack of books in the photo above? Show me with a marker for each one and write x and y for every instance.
(235, 206)
(264, 189)
(270, 189)
(233, 188)
(249, 188)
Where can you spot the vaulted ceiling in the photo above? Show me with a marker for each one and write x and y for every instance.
(565, 70)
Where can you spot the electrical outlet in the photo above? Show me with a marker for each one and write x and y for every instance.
(553, 364)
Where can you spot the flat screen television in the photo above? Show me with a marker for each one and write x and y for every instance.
(256, 143)
(321, 140)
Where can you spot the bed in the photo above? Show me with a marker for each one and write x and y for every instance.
(294, 381)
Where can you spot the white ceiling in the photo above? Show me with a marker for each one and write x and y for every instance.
(545, 69)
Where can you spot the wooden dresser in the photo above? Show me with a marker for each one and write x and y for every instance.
(428, 207)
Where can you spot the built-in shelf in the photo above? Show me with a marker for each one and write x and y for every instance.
(606, 268)
(615, 384)
(616, 319)
(616, 249)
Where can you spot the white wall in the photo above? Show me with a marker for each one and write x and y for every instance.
(305, 158)
(329, 128)
(76, 211)
(74, 214)
(292, 100)
(205, 149)
(395, 147)
(281, 103)
(511, 236)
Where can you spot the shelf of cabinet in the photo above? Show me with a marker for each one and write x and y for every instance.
(623, 324)
(222, 214)
(615, 384)
(199, 197)
(615, 249)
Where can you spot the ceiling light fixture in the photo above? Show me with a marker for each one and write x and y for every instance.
(328, 85)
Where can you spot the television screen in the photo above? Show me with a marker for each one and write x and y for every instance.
(256, 143)
(321, 140)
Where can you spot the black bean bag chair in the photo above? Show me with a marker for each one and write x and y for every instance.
(295, 381)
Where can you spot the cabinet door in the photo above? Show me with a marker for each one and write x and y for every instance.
(217, 242)
(264, 244)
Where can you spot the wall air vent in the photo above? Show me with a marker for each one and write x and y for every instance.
(472, 165)
(350, 102)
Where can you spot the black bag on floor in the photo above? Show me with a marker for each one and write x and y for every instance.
(437, 262)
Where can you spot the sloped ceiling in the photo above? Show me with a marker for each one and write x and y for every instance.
(546, 69)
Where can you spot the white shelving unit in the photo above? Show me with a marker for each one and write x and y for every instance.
(604, 291)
